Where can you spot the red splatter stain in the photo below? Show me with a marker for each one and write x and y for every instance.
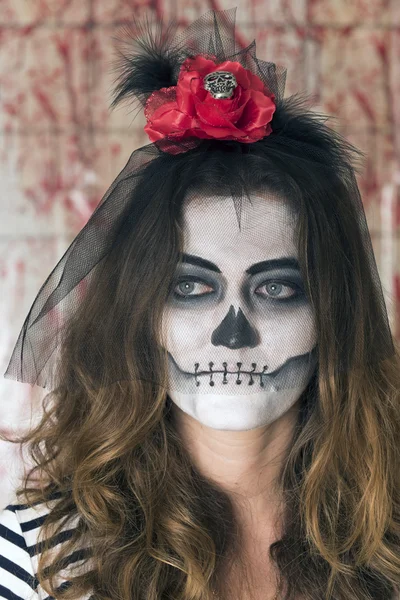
(63, 47)
(382, 50)
(365, 104)
(26, 31)
(49, 186)
(116, 149)
(45, 103)
(20, 267)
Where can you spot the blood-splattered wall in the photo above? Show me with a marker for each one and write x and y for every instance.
(60, 146)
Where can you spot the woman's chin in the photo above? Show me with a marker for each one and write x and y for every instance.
(233, 412)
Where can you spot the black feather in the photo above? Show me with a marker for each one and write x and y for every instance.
(148, 59)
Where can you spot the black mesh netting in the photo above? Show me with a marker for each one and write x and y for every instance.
(243, 261)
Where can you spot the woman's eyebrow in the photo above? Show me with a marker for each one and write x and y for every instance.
(274, 263)
(200, 262)
(265, 265)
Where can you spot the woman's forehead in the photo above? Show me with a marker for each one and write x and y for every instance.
(211, 227)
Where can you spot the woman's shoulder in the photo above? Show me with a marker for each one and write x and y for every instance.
(20, 548)
(19, 527)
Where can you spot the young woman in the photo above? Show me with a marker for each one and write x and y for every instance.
(224, 409)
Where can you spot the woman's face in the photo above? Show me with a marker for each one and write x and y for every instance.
(237, 326)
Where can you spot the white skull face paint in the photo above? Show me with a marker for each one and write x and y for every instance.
(238, 327)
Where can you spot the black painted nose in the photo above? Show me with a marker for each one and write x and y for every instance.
(234, 331)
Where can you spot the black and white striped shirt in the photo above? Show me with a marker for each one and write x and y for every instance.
(20, 549)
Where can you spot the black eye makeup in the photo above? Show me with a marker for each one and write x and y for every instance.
(187, 284)
(279, 290)
(283, 285)
(197, 280)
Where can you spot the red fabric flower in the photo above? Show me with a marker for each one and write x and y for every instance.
(188, 110)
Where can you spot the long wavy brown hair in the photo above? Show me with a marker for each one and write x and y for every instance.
(153, 526)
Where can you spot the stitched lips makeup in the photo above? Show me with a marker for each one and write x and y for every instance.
(237, 325)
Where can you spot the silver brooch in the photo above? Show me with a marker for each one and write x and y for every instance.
(220, 84)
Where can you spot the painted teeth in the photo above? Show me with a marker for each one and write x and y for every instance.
(238, 381)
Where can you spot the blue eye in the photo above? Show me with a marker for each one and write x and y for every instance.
(276, 290)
